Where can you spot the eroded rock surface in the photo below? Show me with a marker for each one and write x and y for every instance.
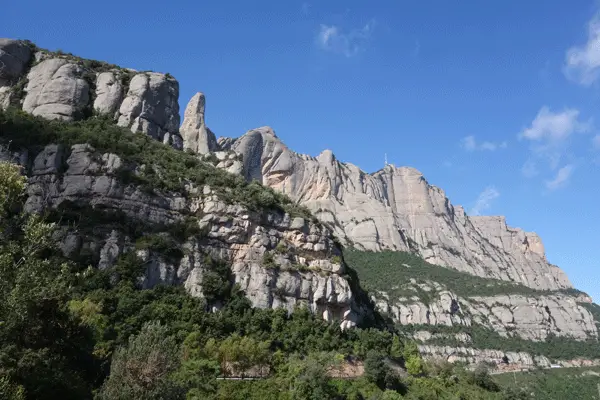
(14, 57)
(56, 90)
(397, 209)
(196, 136)
(304, 264)
(151, 105)
(109, 93)
(528, 317)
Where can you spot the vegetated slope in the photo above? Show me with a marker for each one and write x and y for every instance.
(112, 331)
(438, 306)
(555, 384)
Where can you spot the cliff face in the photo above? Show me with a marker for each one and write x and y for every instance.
(397, 209)
(525, 316)
(277, 259)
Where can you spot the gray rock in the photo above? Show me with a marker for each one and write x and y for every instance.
(151, 105)
(49, 160)
(196, 136)
(397, 209)
(111, 250)
(225, 143)
(56, 90)
(529, 317)
(109, 93)
(235, 235)
(174, 140)
(14, 57)
(504, 361)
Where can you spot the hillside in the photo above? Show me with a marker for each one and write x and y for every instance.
(137, 240)
(111, 294)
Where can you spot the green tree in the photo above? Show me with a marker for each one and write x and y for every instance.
(143, 369)
(10, 391)
(42, 346)
(306, 379)
(391, 395)
(12, 187)
(199, 377)
(482, 378)
(414, 365)
(375, 368)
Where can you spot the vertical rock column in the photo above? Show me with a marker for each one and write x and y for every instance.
(196, 136)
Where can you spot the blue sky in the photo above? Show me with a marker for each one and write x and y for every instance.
(497, 103)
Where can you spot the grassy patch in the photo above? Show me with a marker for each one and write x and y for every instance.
(391, 272)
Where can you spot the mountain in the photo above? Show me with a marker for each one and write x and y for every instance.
(120, 176)
(397, 209)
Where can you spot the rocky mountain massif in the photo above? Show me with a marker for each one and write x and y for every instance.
(279, 257)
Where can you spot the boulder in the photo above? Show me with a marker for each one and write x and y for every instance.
(151, 105)
(56, 90)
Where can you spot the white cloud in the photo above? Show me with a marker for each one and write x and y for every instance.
(549, 133)
(562, 177)
(470, 144)
(332, 38)
(596, 141)
(484, 200)
(582, 62)
(554, 127)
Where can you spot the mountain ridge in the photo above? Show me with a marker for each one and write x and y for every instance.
(281, 259)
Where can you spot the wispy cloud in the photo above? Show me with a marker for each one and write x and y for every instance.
(469, 143)
(555, 126)
(333, 39)
(549, 133)
(582, 63)
(562, 178)
(596, 141)
(484, 200)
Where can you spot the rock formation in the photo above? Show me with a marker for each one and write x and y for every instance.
(56, 90)
(396, 209)
(109, 94)
(196, 136)
(278, 260)
(304, 269)
(59, 86)
(151, 106)
(529, 317)
(14, 58)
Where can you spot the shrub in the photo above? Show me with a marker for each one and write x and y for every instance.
(142, 369)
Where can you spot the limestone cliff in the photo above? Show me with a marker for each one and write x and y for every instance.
(277, 259)
(397, 209)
